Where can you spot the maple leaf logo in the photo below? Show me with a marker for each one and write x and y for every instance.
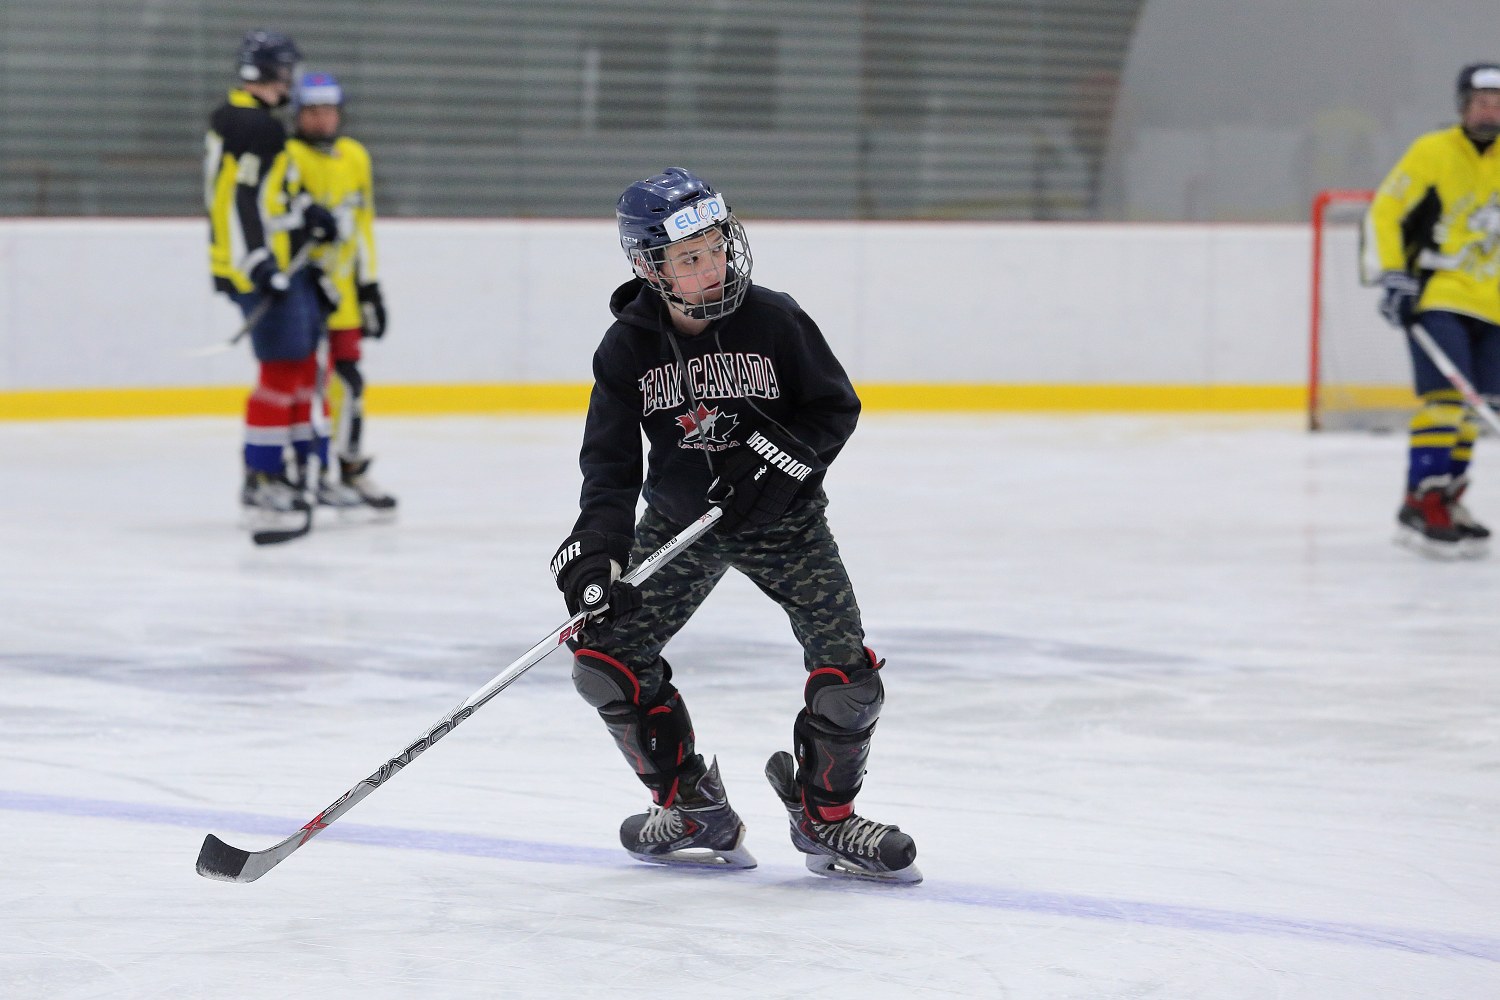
(705, 425)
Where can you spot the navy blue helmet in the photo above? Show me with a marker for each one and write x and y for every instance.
(1476, 76)
(267, 56)
(674, 206)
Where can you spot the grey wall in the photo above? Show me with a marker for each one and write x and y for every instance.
(988, 109)
(1242, 111)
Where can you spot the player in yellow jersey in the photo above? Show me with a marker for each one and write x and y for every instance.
(258, 222)
(335, 170)
(1432, 242)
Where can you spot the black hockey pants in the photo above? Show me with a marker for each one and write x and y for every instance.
(795, 562)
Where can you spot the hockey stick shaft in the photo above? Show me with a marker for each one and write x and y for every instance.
(218, 860)
(1450, 371)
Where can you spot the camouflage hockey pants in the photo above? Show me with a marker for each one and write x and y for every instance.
(795, 562)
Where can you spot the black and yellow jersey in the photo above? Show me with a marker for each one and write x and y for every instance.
(1437, 215)
(249, 189)
(337, 176)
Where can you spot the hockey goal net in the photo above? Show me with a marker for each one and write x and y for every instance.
(1360, 368)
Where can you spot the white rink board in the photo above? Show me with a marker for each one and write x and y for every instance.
(1225, 743)
(118, 303)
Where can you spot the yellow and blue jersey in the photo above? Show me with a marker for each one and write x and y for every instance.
(1437, 215)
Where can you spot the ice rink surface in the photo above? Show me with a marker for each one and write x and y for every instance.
(1168, 715)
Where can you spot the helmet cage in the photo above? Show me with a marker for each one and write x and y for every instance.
(657, 267)
(660, 212)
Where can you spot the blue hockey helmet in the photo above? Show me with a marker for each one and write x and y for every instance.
(317, 89)
(676, 205)
(1476, 76)
(266, 56)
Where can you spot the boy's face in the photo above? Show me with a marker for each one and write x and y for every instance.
(695, 268)
(318, 121)
(1483, 111)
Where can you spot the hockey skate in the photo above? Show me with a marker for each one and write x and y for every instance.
(271, 501)
(853, 847)
(699, 829)
(341, 497)
(1426, 521)
(355, 475)
(1475, 537)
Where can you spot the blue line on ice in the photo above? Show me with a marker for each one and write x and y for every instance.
(933, 891)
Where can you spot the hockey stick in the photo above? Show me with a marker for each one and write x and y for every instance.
(275, 536)
(1450, 371)
(218, 860)
(256, 315)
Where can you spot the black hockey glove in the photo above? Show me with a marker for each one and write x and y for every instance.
(1398, 302)
(327, 292)
(269, 279)
(759, 480)
(589, 579)
(372, 311)
(320, 225)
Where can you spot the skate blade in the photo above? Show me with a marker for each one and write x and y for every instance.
(1474, 548)
(735, 858)
(1419, 543)
(821, 864)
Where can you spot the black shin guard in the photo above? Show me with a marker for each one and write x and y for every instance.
(656, 737)
(832, 736)
(352, 414)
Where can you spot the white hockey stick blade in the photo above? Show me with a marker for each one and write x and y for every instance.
(218, 860)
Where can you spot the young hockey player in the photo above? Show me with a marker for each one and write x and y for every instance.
(258, 221)
(744, 406)
(335, 170)
(1432, 241)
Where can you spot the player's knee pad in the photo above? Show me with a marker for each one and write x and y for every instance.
(832, 735)
(848, 699)
(655, 735)
(348, 373)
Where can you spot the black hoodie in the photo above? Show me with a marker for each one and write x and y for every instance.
(764, 364)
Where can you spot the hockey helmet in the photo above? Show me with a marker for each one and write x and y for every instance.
(267, 56)
(676, 205)
(316, 90)
(1476, 76)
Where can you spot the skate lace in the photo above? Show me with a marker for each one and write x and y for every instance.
(661, 825)
(855, 835)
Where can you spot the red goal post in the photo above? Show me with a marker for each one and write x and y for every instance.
(1359, 368)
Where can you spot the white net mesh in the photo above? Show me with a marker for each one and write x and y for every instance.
(1361, 378)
